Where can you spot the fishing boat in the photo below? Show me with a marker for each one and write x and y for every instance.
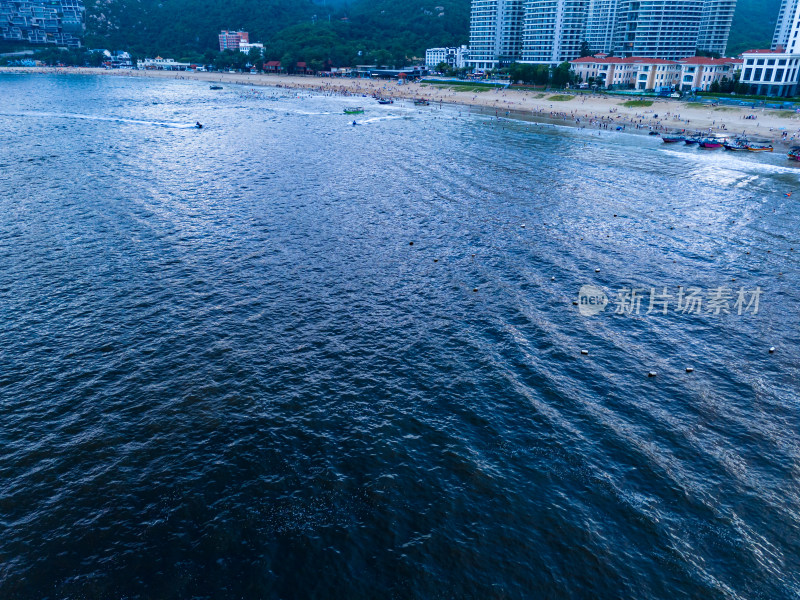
(692, 141)
(216, 87)
(672, 139)
(356, 110)
(735, 145)
(421, 102)
(385, 101)
(711, 144)
(759, 147)
(794, 153)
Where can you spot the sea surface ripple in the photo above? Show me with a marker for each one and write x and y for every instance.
(288, 357)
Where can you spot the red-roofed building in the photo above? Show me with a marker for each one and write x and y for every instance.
(272, 66)
(653, 74)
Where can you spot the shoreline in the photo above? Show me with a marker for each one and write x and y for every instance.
(587, 111)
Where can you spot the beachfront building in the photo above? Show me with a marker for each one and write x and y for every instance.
(553, 30)
(232, 40)
(162, 64)
(771, 72)
(654, 74)
(495, 33)
(59, 22)
(455, 57)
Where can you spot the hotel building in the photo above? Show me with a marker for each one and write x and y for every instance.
(231, 40)
(495, 32)
(553, 31)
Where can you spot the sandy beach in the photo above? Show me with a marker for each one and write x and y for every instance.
(583, 110)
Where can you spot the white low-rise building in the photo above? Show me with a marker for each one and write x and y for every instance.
(771, 72)
(654, 74)
(455, 57)
(162, 64)
(247, 46)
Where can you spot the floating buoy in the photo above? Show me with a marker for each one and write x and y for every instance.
(597, 270)
(651, 374)
(474, 289)
(772, 349)
(552, 279)
(690, 369)
(523, 225)
(574, 303)
(410, 243)
(435, 260)
(584, 352)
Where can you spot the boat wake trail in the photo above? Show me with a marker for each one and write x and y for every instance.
(97, 118)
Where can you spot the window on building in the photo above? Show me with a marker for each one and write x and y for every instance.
(757, 74)
(767, 75)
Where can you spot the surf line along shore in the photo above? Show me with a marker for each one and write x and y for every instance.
(596, 111)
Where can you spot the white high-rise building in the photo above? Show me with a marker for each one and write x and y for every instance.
(715, 25)
(553, 30)
(495, 32)
(601, 25)
(667, 29)
(785, 36)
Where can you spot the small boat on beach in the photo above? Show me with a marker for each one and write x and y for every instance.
(356, 110)
(794, 153)
(759, 146)
(692, 141)
(385, 101)
(672, 139)
(421, 102)
(735, 145)
(711, 144)
(216, 87)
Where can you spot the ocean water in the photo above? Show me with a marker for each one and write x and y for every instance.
(288, 357)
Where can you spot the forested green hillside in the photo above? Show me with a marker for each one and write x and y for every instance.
(344, 32)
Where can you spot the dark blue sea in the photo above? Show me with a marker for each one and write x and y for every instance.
(285, 357)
